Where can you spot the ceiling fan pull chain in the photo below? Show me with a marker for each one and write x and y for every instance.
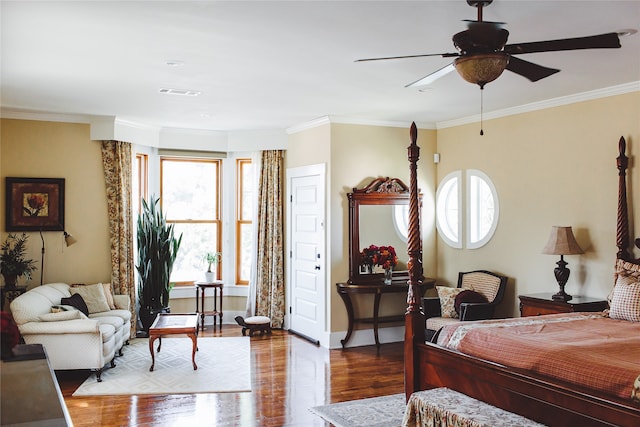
(481, 110)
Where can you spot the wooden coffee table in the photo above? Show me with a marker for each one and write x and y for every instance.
(174, 324)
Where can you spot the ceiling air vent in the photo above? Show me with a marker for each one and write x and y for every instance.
(183, 92)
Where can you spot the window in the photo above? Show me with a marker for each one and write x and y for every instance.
(481, 209)
(190, 197)
(244, 212)
(140, 182)
(448, 210)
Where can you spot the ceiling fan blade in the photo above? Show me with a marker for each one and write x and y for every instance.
(444, 55)
(601, 41)
(531, 71)
(433, 76)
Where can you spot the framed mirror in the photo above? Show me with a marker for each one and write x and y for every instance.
(378, 215)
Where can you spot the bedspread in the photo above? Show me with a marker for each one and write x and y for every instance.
(584, 349)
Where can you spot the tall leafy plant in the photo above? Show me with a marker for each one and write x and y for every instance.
(157, 250)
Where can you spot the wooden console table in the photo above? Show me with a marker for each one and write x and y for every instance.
(346, 289)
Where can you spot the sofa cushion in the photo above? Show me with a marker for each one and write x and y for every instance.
(93, 296)
(77, 302)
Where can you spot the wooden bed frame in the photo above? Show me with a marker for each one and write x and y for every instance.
(545, 400)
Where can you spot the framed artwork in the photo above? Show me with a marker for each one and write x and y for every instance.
(34, 204)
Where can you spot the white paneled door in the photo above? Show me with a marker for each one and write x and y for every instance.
(307, 261)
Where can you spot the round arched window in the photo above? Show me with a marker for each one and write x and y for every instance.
(481, 209)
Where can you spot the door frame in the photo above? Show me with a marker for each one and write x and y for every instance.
(299, 172)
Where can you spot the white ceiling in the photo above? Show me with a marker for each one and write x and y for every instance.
(272, 65)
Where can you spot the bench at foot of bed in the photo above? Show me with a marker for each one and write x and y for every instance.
(442, 406)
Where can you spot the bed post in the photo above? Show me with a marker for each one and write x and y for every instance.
(414, 318)
(622, 229)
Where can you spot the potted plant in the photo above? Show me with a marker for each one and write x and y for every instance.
(211, 258)
(157, 250)
(14, 262)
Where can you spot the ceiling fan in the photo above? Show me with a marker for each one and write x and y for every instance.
(483, 53)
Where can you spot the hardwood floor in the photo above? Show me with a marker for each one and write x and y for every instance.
(289, 375)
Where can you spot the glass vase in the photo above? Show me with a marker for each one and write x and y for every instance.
(388, 275)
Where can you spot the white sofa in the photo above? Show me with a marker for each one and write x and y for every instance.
(71, 339)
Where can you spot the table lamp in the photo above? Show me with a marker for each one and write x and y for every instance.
(561, 242)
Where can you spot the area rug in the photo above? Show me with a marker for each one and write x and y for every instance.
(223, 367)
(385, 411)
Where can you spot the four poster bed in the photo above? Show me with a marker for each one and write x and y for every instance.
(533, 388)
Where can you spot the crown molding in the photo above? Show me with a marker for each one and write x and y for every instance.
(549, 103)
(321, 121)
(20, 114)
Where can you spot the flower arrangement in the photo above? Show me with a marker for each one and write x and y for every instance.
(383, 256)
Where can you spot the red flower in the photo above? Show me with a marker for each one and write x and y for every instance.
(384, 256)
(36, 202)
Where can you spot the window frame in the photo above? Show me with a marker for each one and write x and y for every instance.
(473, 211)
(468, 209)
(240, 185)
(456, 177)
(218, 206)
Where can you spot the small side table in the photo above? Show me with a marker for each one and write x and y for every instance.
(543, 303)
(10, 294)
(200, 291)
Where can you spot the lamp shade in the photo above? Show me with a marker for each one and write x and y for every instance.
(482, 68)
(562, 242)
(69, 239)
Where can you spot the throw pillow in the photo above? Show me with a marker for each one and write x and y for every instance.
(467, 296)
(63, 315)
(625, 303)
(447, 297)
(109, 295)
(77, 302)
(93, 295)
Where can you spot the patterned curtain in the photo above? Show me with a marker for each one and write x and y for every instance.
(269, 277)
(116, 160)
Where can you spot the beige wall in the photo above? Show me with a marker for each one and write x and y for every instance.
(550, 167)
(62, 150)
(355, 155)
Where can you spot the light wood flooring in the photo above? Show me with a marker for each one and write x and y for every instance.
(289, 375)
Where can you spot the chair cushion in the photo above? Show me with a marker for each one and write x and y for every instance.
(257, 320)
(467, 295)
(484, 284)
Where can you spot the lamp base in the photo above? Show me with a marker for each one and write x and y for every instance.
(561, 296)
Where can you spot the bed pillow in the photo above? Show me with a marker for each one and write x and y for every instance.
(625, 302)
(467, 296)
(76, 301)
(447, 297)
(93, 295)
(625, 274)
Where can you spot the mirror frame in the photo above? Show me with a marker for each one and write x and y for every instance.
(381, 191)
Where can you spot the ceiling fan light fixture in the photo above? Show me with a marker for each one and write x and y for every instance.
(482, 68)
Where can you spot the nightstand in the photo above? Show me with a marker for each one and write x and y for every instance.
(538, 304)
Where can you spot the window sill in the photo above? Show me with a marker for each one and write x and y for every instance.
(190, 292)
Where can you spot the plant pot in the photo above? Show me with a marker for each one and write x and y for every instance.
(10, 280)
(147, 316)
(209, 276)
